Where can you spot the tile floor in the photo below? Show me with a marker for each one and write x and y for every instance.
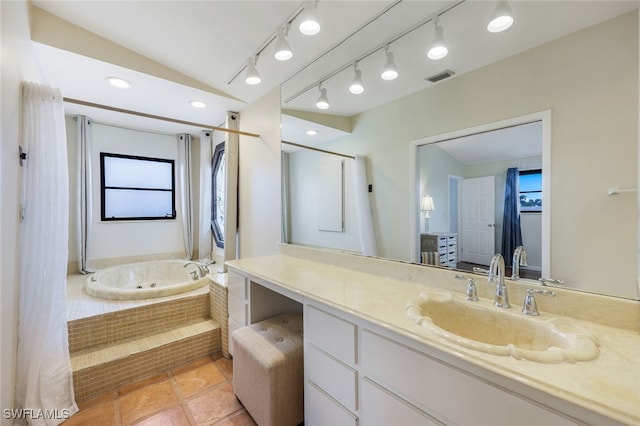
(197, 394)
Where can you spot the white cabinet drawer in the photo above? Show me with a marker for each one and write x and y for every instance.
(331, 375)
(321, 410)
(380, 407)
(238, 310)
(233, 326)
(439, 390)
(237, 285)
(335, 335)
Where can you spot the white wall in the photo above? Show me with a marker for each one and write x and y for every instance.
(259, 178)
(18, 64)
(435, 167)
(304, 166)
(594, 143)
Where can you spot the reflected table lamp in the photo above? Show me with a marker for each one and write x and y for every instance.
(426, 205)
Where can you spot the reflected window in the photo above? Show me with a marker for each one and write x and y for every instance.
(219, 177)
(530, 182)
(136, 188)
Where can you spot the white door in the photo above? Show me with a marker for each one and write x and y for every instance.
(478, 217)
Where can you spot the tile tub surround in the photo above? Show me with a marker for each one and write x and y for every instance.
(218, 300)
(81, 305)
(606, 386)
(113, 342)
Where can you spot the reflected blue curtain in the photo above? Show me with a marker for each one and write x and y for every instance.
(511, 232)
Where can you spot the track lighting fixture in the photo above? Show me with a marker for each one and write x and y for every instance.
(252, 78)
(356, 86)
(282, 48)
(323, 101)
(501, 19)
(309, 23)
(438, 49)
(389, 72)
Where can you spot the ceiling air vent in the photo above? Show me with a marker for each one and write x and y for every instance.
(440, 76)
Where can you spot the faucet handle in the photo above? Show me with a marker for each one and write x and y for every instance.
(546, 281)
(480, 271)
(529, 305)
(472, 293)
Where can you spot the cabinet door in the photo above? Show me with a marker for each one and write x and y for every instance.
(331, 375)
(334, 335)
(441, 391)
(321, 410)
(237, 285)
(381, 407)
(237, 310)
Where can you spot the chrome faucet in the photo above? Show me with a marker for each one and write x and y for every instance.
(519, 259)
(496, 275)
(203, 269)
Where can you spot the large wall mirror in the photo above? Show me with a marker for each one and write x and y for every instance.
(576, 76)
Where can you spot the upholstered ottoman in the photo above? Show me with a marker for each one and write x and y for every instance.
(268, 370)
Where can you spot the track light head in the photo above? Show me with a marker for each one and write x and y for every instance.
(389, 72)
(356, 87)
(502, 18)
(309, 23)
(283, 50)
(252, 78)
(323, 101)
(438, 49)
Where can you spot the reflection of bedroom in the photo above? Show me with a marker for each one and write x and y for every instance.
(479, 161)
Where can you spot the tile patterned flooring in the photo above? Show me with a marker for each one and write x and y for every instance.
(199, 393)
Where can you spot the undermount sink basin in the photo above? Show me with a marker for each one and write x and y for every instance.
(507, 332)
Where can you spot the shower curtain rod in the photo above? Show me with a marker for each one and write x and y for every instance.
(157, 117)
(318, 149)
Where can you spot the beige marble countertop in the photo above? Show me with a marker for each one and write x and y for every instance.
(608, 385)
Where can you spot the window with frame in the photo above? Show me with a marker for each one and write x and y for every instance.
(530, 183)
(136, 188)
(218, 188)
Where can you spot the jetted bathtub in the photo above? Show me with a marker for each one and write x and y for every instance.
(144, 280)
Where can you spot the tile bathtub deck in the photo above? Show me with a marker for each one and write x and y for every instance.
(200, 393)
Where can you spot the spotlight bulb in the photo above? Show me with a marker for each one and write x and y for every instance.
(356, 86)
(323, 101)
(282, 49)
(502, 18)
(389, 72)
(309, 24)
(252, 77)
(438, 49)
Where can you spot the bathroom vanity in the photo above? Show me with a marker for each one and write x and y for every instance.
(369, 360)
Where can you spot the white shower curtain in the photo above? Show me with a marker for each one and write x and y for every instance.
(84, 224)
(363, 208)
(43, 376)
(184, 183)
(205, 241)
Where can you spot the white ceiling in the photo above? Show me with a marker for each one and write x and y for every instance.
(210, 41)
(509, 143)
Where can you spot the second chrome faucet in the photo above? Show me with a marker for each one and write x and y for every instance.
(496, 275)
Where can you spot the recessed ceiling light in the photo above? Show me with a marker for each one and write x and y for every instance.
(198, 104)
(118, 82)
(312, 132)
